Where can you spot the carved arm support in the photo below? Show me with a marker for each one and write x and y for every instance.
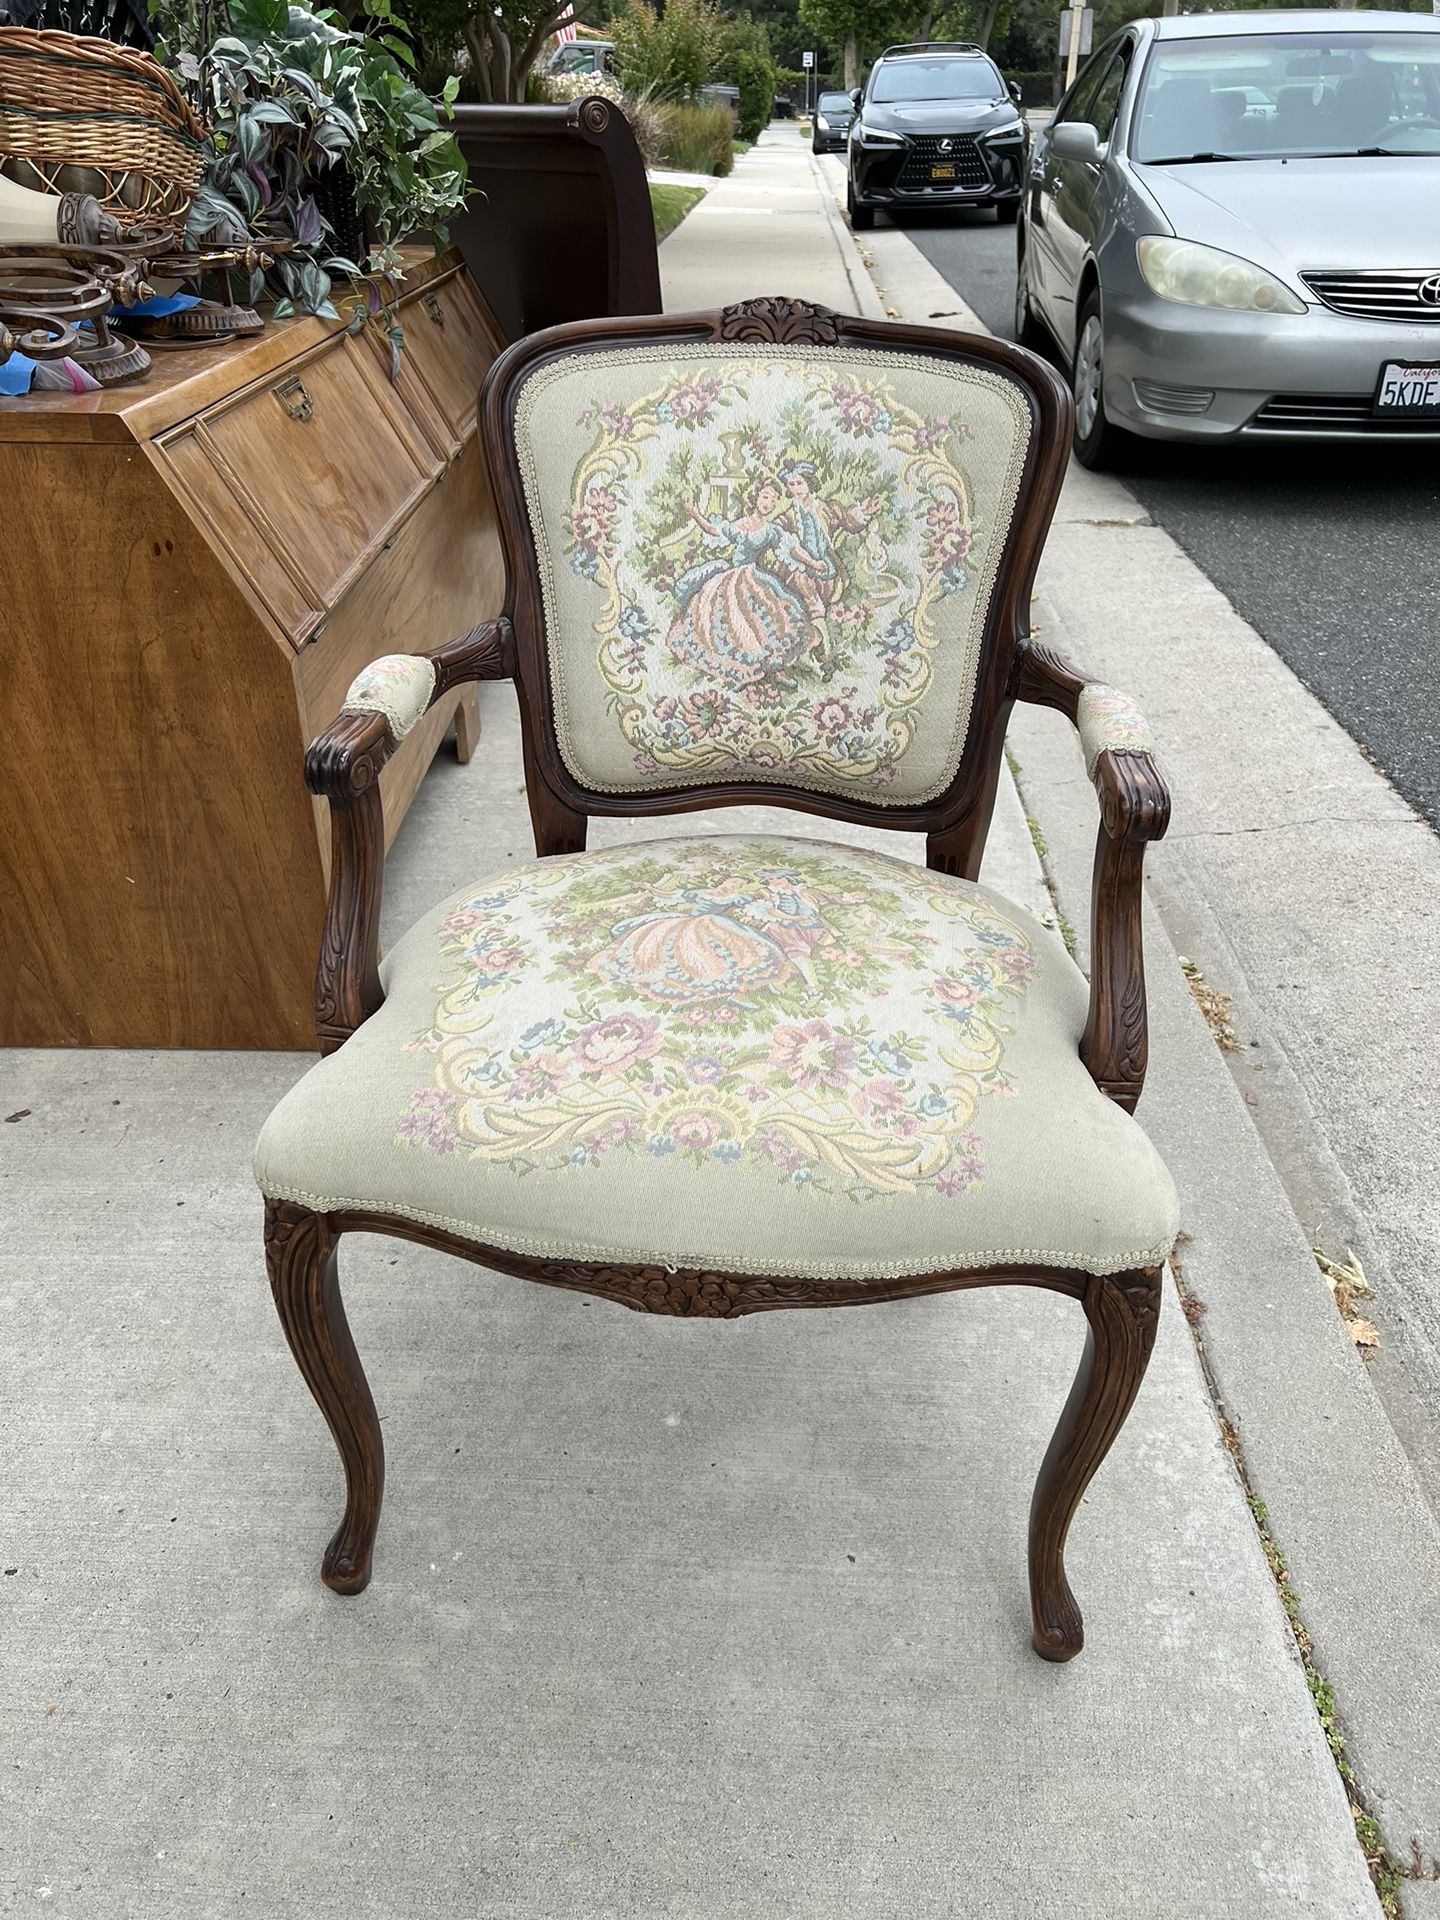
(343, 766)
(1134, 810)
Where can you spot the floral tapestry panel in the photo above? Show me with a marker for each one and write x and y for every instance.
(826, 1019)
(399, 685)
(1110, 722)
(758, 564)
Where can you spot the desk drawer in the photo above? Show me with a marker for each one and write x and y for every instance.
(449, 345)
(324, 462)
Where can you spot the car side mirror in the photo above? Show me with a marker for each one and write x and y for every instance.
(1076, 140)
(855, 98)
(1014, 86)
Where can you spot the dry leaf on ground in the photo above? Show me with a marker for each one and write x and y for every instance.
(1214, 1004)
(1348, 1284)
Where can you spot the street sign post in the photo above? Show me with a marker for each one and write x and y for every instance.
(1077, 30)
(807, 61)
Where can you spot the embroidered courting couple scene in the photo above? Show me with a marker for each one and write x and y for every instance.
(770, 548)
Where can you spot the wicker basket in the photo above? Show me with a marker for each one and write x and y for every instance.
(87, 116)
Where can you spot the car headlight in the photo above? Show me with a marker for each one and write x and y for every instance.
(1013, 130)
(876, 137)
(1197, 276)
(822, 124)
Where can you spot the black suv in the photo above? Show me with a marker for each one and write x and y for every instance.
(936, 126)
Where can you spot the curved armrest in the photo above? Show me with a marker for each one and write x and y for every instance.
(1134, 810)
(343, 765)
(388, 698)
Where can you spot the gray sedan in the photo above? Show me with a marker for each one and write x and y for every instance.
(1232, 228)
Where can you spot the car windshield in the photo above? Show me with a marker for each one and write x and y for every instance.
(1289, 94)
(834, 103)
(963, 79)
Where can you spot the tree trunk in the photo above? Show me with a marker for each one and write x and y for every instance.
(852, 64)
(987, 22)
(479, 57)
(499, 61)
(927, 25)
(534, 46)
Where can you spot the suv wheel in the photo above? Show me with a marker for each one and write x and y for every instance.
(1096, 442)
(862, 219)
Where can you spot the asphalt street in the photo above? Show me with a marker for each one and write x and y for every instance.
(1332, 552)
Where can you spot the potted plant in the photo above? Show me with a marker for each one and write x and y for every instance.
(299, 104)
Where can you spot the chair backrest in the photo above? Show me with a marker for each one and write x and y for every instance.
(771, 554)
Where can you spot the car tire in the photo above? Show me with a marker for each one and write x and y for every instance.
(1097, 442)
(1029, 331)
(1007, 212)
(862, 219)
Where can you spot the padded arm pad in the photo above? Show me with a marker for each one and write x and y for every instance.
(1110, 722)
(401, 686)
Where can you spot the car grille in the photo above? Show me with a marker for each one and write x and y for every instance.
(925, 152)
(1330, 413)
(1379, 296)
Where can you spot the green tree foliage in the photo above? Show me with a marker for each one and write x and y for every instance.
(755, 76)
(745, 61)
(859, 28)
(1022, 35)
(667, 56)
(492, 44)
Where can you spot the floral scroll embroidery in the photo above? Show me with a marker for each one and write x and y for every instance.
(399, 685)
(688, 994)
(772, 544)
(1110, 722)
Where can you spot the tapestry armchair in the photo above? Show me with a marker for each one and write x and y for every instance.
(777, 555)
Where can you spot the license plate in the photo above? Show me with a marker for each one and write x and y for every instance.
(1411, 392)
(942, 173)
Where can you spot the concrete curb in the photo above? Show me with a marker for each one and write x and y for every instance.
(867, 299)
(1343, 1501)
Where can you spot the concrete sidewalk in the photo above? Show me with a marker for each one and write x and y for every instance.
(669, 1619)
(1269, 795)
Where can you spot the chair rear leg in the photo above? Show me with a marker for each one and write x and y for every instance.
(1122, 1310)
(300, 1249)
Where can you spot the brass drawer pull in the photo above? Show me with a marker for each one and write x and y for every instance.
(294, 398)
(432, 306)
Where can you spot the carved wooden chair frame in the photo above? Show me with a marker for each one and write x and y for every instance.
(344, 766)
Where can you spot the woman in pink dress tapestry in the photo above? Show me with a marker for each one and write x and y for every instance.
(738, 620)
(721, 942)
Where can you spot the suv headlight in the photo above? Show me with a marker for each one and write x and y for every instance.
(876, 136)
(1014, 130)
(1196, 276)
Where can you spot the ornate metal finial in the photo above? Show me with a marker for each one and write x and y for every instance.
(81, 221)
(785, 322)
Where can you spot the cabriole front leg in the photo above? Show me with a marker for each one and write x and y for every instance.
(300, 1252)
(1122, 1311)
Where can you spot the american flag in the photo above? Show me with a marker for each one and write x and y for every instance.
(566, 29)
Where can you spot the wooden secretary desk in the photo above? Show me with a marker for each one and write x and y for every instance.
(195, 567)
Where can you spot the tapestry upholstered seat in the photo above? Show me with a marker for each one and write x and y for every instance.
(637, 1033)
(778, 555)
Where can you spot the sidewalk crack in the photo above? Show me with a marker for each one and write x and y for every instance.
(1292, 826)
